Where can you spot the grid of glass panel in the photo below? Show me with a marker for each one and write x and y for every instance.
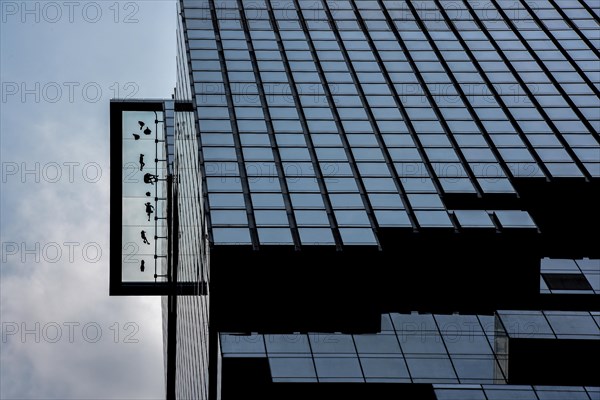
(192, 311)
(417, 348)
(524, 392)
(321, 122)
(412, 348)
(574, 276)
(551, 324)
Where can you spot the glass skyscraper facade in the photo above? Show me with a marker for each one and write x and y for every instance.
(385, 199)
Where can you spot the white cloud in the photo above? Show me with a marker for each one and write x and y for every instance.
(55, 294)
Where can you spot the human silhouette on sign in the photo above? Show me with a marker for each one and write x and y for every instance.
(142, 163)
(144, 238)
(142, 266)
(149, 178)
(149, 209)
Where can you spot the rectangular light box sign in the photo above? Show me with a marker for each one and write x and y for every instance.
(139, 199)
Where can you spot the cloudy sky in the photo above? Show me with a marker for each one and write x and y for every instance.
(63, 337)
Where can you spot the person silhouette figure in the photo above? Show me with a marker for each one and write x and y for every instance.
(142, 163)
(142, 266)
(149, 178)
(144, 238)
(149, 209)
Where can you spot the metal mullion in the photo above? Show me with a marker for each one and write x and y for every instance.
(341, 130)
(574, 27)
(590, 10)
(400, 346)
(388, 160)
(235, 132)
(566, 54)
(594, 319)
(312, 354)
(441, 336)
(358, 357)
(530, 95)
(431, 99)
(549, 324)
(274, 148)
(310, 145)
